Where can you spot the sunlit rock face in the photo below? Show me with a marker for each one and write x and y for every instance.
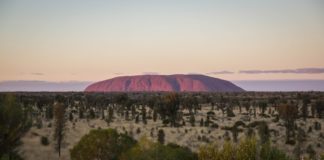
(156, 83)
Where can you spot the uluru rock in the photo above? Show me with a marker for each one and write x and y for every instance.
(155, 83)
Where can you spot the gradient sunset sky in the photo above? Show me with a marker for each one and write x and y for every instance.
(89, 40)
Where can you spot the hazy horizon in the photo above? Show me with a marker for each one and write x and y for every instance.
(248, 85)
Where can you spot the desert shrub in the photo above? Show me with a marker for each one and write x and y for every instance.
(322, 156)
(317, 126)
(201, 122)
(147, 150)
(92, 114)
(247, 149)
(311, 152)
(230, 112)
(321, 135)
(161, 136)
(291, 142)
(255, 124)
(239, 123)
(204, 139)
(272, 153)
(44, 141)
(166, 121)
(39, 123)
(227, 136)
(138, 131)
(301, 135)
(192, 120)
(101, 144)
(264, 132)
(227, 128)
(214, 125)
(213, 152)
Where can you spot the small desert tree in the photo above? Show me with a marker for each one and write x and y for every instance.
(319, 107)
(13, 124)
(289, 114)
(192, 119)
(263, 107)
(171, 104)
(155, 115)
(60, 120)
(304, 109)
(264, 132)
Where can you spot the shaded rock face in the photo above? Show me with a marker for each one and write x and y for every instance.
(155, 83)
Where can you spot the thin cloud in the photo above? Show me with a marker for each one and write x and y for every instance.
(221, 72)
(118, 73)
(150, 73)
(285, 71)
(37, 74)
(193, 73)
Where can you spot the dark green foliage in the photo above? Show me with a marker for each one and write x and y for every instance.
(44, 141)
(272, 153)
(49, 112)
(239, 123)
(264, 132)
(171, 104)
(138, 130)
(207, 122)
(289, 114)
(319, 107)
(263, 106)
(311, 152)
(137, 119)
(161, 136)
(81, 114)
(230, 112)
(192, 120)
(14, 123)
(146, 150)
(71, 116)
(92, 114)
(101, 144)
(144, 118)
(306, 100)
(155, 115)
(214, 125)
(317, 126)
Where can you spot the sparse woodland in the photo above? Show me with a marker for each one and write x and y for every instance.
(171, 126)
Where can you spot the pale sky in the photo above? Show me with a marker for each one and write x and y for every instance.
(89, 40)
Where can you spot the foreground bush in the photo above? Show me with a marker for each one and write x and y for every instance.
(109, 145)
(247, 149)
(147, 150)
(101, 145)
